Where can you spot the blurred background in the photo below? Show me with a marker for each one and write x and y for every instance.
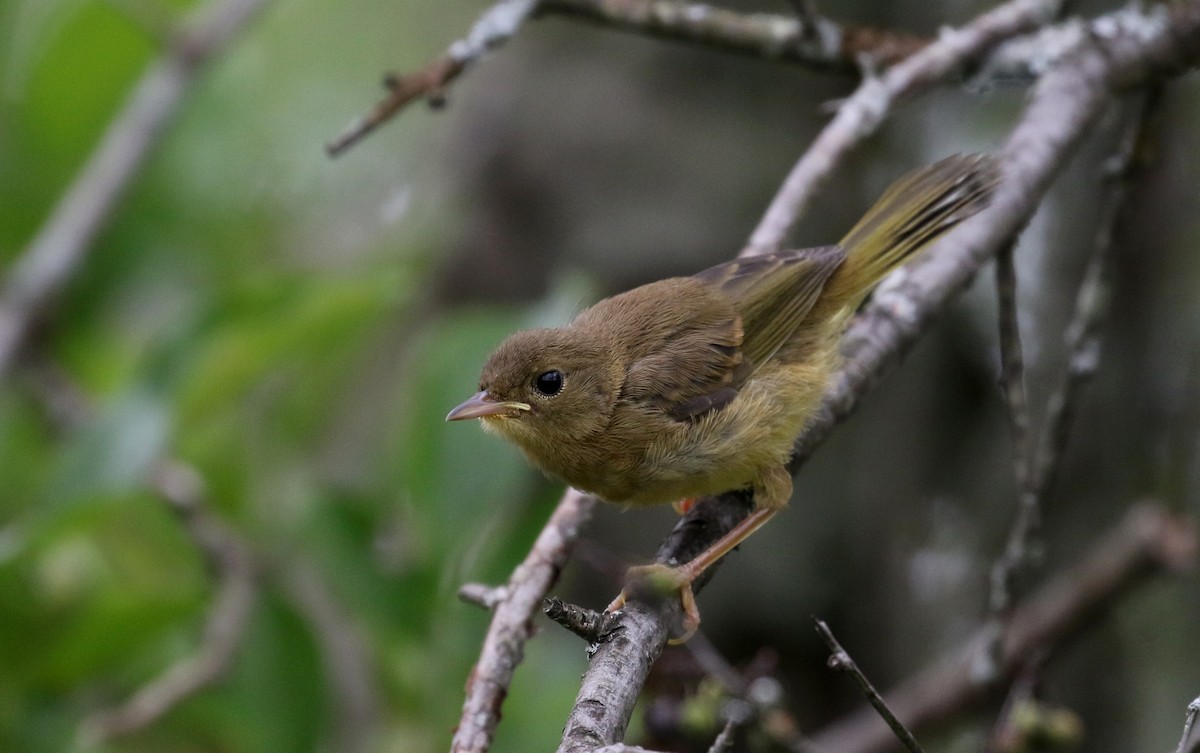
(294, 329)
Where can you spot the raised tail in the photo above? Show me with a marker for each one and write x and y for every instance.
(916, 210)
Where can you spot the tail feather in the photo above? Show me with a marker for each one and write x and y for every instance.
(915, 211)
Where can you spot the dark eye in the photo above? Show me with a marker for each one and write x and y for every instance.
(549, 383)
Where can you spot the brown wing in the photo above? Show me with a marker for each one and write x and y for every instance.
(772, 294)
(700, 338)
(681, 340)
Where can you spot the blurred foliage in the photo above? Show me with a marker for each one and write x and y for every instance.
(295, 329)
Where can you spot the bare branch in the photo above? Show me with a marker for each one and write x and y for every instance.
(512, 622)
(1193, 710)
(57, 251)
(588, 624)
(1066, 101)
(230, 558)
(862, 114)
(237, 586)
(1037, 462)
(724, 740)
(807, 38)
(494, 28)
(481, 595)
(1147, 541)
(1012, 362)
(841, 661)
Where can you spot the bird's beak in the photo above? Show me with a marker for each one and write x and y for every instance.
(482, 405)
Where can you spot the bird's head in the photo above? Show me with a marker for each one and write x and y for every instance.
(543, 387)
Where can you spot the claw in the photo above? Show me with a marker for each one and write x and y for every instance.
(663, 579)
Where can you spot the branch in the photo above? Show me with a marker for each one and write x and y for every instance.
(840, 660)
(1193, 710)
(1066, 102)
(237, 587)
(493, 29)
(58, 250)
(810, 40)
(231, 559)
(1147, 541)
(1037, 462)
(512, 623)
(862, 114)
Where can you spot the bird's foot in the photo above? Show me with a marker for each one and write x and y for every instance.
(682, 506)
(661, 580)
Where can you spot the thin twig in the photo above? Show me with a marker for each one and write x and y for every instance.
(237, 587)
(1012, 361)
(232, 560)
(862, 114)
(724, 740)
(1037, 462)
(495, 27)
(588, 624)
(1012, 380)
(57, 252)
(840, 660)
(1028, 518)
(806, 38)
(480, 595)
(512, 623)
(1148, 540)
(1193, 710)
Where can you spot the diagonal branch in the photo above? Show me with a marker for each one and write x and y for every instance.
(234, 564)
(1147, 541)
(865, 111)
(60, 247)
(841, 660)
(493, 29)
(237, 574)
(1193, 710)
(808, 39)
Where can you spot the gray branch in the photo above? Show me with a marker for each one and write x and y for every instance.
(865, 111)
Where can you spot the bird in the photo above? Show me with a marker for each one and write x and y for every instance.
(697, 385)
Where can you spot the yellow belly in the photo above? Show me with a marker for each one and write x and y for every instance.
(728, 448)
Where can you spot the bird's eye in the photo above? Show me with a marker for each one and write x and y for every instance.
(549, 383)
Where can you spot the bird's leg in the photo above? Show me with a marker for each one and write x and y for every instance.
(682, 506)
(771, 493)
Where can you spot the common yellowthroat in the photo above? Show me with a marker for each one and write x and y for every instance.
(698, 385)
